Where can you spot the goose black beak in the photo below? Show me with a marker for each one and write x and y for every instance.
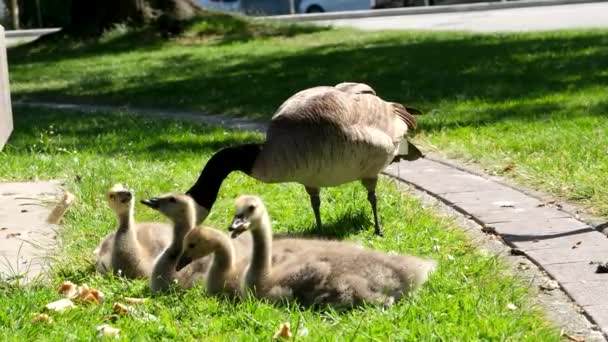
(153, 203)
(238, 226)
(183, 262)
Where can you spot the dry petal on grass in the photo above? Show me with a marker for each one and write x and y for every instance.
(81, 293)
(68, 289)
(57, 213)
(283, 331)
(60, 305)
(86, 294)
(131, 300)
(105, 330)
(42, 318)
(120, 308)
(511, 306)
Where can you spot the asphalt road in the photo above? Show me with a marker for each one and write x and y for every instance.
(590, 15)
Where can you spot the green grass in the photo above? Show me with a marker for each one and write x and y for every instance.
(532, 106)
(466, 299)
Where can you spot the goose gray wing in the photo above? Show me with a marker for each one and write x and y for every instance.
(324, 137)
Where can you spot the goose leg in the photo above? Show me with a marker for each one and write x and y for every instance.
(370, 185)
(315, 202)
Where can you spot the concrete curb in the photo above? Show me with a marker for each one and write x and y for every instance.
(597, 223)
(484, 6)
(29, 33)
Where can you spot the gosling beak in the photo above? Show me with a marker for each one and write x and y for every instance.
(183, 261)
(238, 226)
(153, 203)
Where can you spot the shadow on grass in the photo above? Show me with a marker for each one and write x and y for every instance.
(210, 28)
(424, 70)
(346, 225)
(48, 131)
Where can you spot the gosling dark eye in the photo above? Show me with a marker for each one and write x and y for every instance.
(112, 197)
(251, 208)
(172, 200)
(191, 245)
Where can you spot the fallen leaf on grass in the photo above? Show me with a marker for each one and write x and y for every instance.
(60, 305)
(120, 308)
(131, 300)
(105, 330)
(82, 293)
(90, 295)
(68, 289)
(42, 318)
(57, 213)
(283, 331)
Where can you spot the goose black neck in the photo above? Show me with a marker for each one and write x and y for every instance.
(221, 164)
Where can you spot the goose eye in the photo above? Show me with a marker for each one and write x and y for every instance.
(191, 245)
(172, 200)
(251, 208)
(112, 196)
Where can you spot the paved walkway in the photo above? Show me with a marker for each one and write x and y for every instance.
(578, 16)
(25, 237)
(553, 239)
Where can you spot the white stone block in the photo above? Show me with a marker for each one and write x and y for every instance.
(6, 113)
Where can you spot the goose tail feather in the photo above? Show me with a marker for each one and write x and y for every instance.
(403, 113)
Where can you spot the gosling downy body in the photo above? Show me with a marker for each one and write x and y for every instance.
(132, 249)
(225, 273)
(340, 276)
(179, 208)
(228, 267)
(319, 137)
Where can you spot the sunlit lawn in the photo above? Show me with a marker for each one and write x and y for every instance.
(466, 299)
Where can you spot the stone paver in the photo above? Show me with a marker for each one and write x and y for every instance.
(553, 239)
(545, 234)
(25, 237)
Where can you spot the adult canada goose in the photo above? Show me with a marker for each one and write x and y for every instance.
(133, 248)
(340, 276)
(319, 137)
(179, 208)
